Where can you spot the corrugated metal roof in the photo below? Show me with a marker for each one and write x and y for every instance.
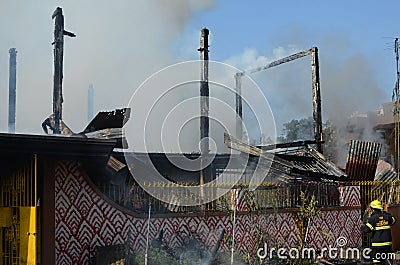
(362, 160)
(108, 125)
(292, 161)
(308, 163)
(385, 172)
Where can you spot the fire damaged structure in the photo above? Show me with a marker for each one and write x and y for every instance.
(75, 198)
(316, 92)
(291, 171)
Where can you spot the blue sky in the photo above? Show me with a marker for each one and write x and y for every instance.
(118, 46)
(355, 41)
(264, 25)
(362, 27)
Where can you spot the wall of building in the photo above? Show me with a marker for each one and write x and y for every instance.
(394, 209)
(84, 219)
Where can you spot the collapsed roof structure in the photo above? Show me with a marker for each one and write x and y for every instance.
(285, 163)
(291, 161)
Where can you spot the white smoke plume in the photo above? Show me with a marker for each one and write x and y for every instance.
(287, 87)
(349, 84)
(117, 46)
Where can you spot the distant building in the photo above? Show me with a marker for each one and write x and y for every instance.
(384, 124)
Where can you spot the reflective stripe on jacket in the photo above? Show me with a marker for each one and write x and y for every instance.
(379, 225)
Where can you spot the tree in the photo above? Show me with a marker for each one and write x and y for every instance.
(303, 129)
(329, 135)
(262, 140)
(297, 130)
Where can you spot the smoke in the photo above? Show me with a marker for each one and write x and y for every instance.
(351, 94)
(287, 87)
(349, 85)
(116, 48)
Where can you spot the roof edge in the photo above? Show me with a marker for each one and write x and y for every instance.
(52, 144)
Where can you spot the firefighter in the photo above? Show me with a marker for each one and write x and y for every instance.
(379, 224)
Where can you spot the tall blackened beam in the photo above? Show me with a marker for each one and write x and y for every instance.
(58, 68)
(12, 90)
(239, 106)
(58, 43)
(280, 61)
(316, 91)
(204, 92)
(204, 105)
(316, 99)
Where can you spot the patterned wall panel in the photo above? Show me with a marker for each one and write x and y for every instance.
(350, 196)
(85, 220)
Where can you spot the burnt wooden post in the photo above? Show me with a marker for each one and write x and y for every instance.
(204, 92)
(316, 99)
(239, 108)
(204, 100)
(58, 43)
(316, 91)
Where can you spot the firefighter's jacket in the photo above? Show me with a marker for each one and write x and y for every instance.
(379, 224)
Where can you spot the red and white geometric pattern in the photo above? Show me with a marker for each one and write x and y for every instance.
(85, 220)
(350, 196)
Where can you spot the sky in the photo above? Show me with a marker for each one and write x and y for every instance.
(120, 45)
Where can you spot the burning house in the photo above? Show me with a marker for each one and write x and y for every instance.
(66, 197)
(72, 195)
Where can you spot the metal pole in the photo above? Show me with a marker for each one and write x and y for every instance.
(90, 102)
(396, 108)
(12, 90)
(35, 168)
(307, 230)
(233, 226)
(58, 43)
(148, 232)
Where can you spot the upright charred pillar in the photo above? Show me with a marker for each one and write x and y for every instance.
(204, 93)
(316, 98)
(204, 101)
(239, 108)
(58, 43)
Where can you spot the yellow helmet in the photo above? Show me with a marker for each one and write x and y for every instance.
(376, 205)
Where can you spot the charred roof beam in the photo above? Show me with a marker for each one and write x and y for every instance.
(58, 43)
